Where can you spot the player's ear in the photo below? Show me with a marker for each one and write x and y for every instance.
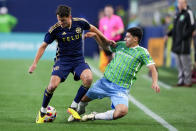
(135, 39)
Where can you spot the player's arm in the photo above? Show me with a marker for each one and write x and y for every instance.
(39, 54)
(102, 37)
(105, 46)
(155, 85)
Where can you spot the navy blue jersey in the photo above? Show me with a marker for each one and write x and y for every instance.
(69, 40)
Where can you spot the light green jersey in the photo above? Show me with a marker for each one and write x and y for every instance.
(127, 62)
(7, 23)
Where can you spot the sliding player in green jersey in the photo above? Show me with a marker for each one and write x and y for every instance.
(119, 76)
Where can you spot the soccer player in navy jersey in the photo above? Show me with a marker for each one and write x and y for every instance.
(69, 57)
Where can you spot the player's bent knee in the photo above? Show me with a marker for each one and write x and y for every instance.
(123, 112)
(87, 82)
(54, 82)
(87, 78)
(52, 87)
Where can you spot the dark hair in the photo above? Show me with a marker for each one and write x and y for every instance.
(63, 10)
(109, 6)
(136, 31)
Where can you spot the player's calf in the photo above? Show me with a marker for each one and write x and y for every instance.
(120, 111)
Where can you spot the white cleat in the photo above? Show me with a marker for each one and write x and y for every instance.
(70, 119)
(89, 116)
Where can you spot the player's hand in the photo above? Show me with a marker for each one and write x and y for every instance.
(156, 88)
(32, 68)
(112, 43)
(90, 34)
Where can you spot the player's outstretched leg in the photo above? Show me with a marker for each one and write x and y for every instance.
(41, 115)
(120, 111)
(90, 116)
(99, 116)
(48, 93)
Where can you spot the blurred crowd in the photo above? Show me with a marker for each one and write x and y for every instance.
(7, 21)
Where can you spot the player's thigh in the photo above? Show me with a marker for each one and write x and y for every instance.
(96, 91)
(82, 71)
(120, 98)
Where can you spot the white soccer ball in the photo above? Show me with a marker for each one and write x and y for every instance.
(51, 114)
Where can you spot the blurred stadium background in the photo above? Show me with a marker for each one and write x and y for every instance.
(21, 93)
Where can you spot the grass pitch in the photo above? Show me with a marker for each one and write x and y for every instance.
(21, 97)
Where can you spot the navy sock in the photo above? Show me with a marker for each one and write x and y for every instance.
(81, 92)
(47, 97)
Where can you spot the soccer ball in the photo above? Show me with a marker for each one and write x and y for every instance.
(50, 115)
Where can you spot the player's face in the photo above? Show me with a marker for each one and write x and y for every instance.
(64, 21)
(181, 4)
(108, 11)
(130, 40)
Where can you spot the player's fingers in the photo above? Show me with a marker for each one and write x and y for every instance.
(31, 69)
(157, 89)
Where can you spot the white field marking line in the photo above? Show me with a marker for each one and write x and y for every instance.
(141, 106)
(162, 84)
(152, 114)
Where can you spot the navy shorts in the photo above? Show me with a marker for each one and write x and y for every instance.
(63, 68)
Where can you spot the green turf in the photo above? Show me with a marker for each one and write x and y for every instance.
(21, 98)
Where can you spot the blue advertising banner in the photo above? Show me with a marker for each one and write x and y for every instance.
(24, 45)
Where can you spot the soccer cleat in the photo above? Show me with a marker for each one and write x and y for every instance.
(89, 116)
(40, 119)
(70, 119)
(74, 113)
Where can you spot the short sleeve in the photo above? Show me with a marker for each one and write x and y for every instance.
(120, 44)
(85, 25)
(146, 58)
(49, 38)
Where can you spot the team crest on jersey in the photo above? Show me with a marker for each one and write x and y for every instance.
(181, 17)
(64, 33)
(78, 30)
